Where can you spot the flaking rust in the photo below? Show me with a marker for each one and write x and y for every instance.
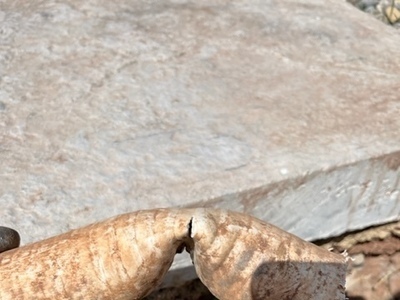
(126, 257)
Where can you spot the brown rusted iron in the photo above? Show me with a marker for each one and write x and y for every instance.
(235, 255)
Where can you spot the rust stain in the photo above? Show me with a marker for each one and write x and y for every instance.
(392, 161)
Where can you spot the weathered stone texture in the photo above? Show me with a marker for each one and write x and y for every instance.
(288, 110)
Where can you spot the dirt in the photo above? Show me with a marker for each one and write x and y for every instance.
(387, 11)
(374, 267)
(373, 274)
(193, 290)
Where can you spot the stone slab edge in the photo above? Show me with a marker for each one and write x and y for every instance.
(321, 204)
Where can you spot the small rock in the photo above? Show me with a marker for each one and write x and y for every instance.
(358, 260)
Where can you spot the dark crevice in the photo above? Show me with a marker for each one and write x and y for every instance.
(190, 227)
(188, 241)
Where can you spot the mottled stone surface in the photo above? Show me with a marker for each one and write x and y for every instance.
(288, 110)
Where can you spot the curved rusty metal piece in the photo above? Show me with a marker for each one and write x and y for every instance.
(121, 258)
(240, 257)
(126, 257)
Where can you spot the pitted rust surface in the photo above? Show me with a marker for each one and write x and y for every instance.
(277, 257)
(127, 256)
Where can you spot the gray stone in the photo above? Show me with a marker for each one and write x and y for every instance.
(287, 110)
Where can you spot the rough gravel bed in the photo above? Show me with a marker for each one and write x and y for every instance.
(374, 270)
(388, 11)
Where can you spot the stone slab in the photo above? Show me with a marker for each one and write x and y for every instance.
(287, 110)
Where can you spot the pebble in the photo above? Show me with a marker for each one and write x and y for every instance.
(9, 239)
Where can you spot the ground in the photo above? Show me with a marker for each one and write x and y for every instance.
(388, 11)
(374, 270)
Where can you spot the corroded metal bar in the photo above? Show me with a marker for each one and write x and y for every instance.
(240, 257)
(235, 255)
(121, 258)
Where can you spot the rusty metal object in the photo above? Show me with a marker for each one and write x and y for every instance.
(126, 257)
(239, 257)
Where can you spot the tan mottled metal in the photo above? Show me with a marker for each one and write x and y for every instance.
(240, 257)
(235, 255)
(121, 258)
